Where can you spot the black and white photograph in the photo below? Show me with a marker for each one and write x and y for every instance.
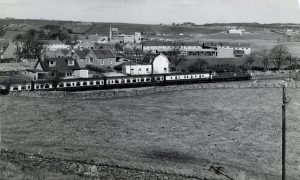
(150, 89)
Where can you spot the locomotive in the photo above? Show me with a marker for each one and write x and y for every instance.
(129, 81)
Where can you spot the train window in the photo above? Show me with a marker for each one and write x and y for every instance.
(162, 78)
(78, 84)
(117, 81)
(23, 87)
(134, 80)
(47, 86)
(84, 83)
(41, 86)
(28, 87)
(15, 88)
(147, 79)
(142, 80)
(97, 82)
(68, 84)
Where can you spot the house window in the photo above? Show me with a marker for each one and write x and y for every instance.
(68, 74)
(51, 63)
(91, 60)
(70, 62)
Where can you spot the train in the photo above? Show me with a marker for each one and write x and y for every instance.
(129, 81)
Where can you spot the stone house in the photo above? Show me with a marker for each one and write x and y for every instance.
(104, 58)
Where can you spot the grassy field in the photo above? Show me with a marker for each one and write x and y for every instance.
(180, 131)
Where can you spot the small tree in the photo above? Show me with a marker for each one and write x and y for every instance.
(250, 59)
(279, 54)
(264, 56)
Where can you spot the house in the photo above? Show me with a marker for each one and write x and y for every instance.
(136, 69)
(101, 58)
(52, 45)
(236, 31)
(184, 48)
(86, 44)
(81, 56)
(158, 65)
(65, 67)
(7, 50)
(56, 53)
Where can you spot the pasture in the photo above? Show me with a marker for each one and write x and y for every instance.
(182, 131)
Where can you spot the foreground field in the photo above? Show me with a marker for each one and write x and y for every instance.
(183, 131)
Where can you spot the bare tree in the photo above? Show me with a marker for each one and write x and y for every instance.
(250, 59)
(264, 56)
(279, 54)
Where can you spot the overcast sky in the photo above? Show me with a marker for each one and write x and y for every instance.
(155, 11)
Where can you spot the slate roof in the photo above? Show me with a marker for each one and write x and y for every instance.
(82, 53)
(170, 43)
(51, 42)
(61, 64)
(102, 54)
(65, 51)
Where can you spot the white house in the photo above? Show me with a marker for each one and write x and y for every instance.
(136, 69)
(52, 45)
(236, 31)
(160, 64)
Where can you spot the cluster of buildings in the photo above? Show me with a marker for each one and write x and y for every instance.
(217, 50)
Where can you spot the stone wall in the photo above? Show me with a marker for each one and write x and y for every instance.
(89, 169)
(114, 93)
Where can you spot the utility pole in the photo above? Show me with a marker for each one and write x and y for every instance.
(284, 102)
(290, 67)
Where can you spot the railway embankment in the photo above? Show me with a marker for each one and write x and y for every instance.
(127, 92)
(93, 170)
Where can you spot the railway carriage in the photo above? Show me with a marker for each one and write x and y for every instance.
(82, 84)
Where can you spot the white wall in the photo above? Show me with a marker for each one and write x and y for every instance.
(161, 65)
(137, 69)
(81, 73)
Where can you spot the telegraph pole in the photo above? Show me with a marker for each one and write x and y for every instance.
(284, 102)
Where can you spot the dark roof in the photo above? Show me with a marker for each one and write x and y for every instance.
(65, 51)
(61, 64)
(82, 53)
(52, 42)
(170, 43)
(101, 54)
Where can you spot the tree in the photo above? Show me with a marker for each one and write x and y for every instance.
(31, 45)
(264, 56)
(2, 31)
(279, 54)
(198, 66)
(118, 47)
(250, 59)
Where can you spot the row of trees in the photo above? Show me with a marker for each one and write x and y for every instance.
(30, 44)
(275, 58)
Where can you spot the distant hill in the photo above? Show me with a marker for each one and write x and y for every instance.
(103, 28)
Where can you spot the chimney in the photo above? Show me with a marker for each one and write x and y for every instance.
(42, 56)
